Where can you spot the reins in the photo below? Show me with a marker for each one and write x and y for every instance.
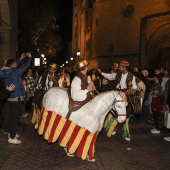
(113, 104)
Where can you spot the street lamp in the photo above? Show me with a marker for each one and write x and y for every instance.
(78, 53)
(42, 55)
(71, 58)
(66, 62)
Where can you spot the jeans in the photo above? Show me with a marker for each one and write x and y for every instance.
(15, 109)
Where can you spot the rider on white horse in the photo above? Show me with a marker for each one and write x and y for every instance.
(79, 92)
(125, 81)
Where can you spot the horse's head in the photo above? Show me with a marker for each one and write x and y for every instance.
(119, 106)
(135, 98)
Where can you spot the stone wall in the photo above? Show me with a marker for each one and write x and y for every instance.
(8, 29)
(116, 30)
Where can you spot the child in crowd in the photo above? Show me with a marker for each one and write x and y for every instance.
(156, 107)
(26, 98)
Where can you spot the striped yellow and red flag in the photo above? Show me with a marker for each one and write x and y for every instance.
(54, 127)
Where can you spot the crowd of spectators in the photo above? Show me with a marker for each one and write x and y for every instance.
(19, 82)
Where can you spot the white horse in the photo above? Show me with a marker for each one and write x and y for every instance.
(92, 114)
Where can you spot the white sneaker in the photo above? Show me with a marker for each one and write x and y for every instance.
(16, 136)
(6, 133)
(167, 139)
(154, 131)
(114, 133)
(25, 115)
(93, 159)
(14, 141)
(127, 139)
(68, 154)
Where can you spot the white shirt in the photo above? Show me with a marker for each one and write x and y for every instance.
(164, 81)
(122, 84)
(76, 93)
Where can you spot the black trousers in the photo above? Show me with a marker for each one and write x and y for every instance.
(0, 113)
(156, 120)
(15, 109)
(6, 117)
(29, 106)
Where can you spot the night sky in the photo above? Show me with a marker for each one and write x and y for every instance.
(65, 20)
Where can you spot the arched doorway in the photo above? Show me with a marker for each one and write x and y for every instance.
(164, 55)
(155, 40)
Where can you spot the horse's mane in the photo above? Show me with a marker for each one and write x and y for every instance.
(122, 95)
(106, 96)
(132, 92)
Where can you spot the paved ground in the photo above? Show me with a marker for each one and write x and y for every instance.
(144, 151)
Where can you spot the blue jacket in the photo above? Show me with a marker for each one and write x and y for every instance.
(13, 76)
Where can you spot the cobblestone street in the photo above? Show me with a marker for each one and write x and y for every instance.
(144, 151)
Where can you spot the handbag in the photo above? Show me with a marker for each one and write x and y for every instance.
(167, 119)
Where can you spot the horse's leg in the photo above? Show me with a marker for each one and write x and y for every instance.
(110, 124)
(112, 127)
(126, 131)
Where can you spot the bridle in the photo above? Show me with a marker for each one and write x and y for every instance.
(113, 104)
(133, 98)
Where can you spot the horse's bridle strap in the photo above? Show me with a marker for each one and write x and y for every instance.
(117, 101)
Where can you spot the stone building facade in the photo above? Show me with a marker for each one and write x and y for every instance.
(8, 28)
(112, 30)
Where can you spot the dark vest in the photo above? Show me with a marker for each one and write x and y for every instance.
(75, 105)
(44, 78)
(84, 85)
(128, 80)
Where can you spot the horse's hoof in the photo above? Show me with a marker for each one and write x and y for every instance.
(127, 139)
(68, 154)
(93, 160)
(113, 133)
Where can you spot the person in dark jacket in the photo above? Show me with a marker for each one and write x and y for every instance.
(12, 74)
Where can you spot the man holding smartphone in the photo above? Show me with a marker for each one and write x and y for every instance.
(12, 75)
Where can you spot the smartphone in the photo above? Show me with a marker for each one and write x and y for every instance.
(36, 62)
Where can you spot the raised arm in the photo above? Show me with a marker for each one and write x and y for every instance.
(107, 75)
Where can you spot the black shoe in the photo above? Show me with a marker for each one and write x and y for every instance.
(144, 115)
(151, 121)
(164, 131)
(163, 128)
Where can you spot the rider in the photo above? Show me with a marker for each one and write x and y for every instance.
(125, 81)
(50, 79)
(115, 67)
(79, 91)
